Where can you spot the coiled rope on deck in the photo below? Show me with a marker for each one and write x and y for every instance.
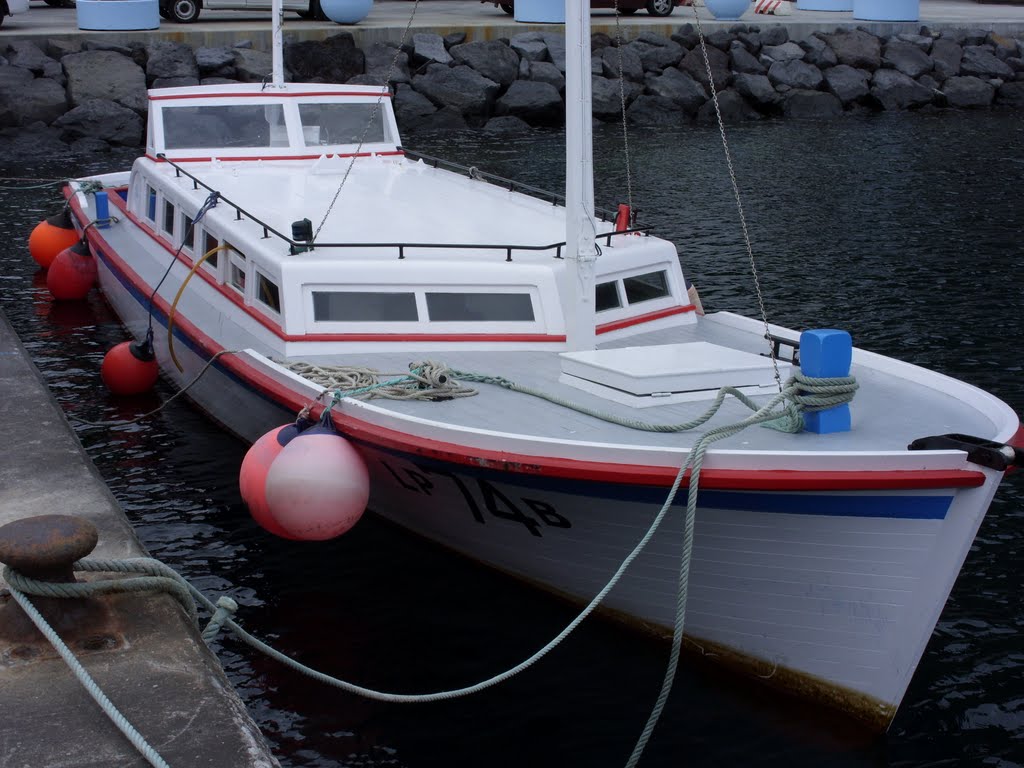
(424, 381)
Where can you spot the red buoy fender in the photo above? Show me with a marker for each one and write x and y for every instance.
(252, 476)
(130, 368)
(318, 487)
(50, 237)
(72, 274)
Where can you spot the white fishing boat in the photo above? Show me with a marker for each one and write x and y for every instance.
(821, 559)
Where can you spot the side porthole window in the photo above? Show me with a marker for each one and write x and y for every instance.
(267, 292)
(169, 217)
(653, 285)
(209, 243)
(237, 268)
(606, 297)
(188, 233)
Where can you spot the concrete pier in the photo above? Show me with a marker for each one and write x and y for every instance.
(483, 21)
(141, 650)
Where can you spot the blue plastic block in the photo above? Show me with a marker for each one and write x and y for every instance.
(102, 210)
(826, 353)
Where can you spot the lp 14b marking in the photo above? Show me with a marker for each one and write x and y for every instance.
(422, 480)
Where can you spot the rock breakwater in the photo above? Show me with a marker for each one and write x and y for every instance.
(87, 96)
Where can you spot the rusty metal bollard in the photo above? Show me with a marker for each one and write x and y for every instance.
(45, 548)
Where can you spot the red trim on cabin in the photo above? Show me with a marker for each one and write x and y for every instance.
(264, 94)
(270, 325)
(629, 321)
(609, 472)
(233, 159)
(502, 337)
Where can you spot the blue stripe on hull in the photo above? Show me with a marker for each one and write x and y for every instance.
(873, 505)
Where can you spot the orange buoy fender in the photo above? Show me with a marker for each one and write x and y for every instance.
(252, 476)
(130, 368)
(50, 237)
(318, 487)
(72, 274)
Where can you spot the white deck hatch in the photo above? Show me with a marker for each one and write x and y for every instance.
(667, 373)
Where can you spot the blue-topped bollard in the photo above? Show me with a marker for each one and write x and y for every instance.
(887, 10)
(111, 15)
(826, 353)
(540, 11)
(824, 5)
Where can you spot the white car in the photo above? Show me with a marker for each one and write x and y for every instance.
(186, 11)
(11, 7)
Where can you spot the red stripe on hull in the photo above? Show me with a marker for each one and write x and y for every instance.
(549, 466)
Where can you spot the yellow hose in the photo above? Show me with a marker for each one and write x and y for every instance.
(174, 304)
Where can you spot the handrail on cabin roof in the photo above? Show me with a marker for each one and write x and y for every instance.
(298, 246)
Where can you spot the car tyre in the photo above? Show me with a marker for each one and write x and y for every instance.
(164, 8)
(314, 12)
(660, 7)
(508, 8)
(184, 11)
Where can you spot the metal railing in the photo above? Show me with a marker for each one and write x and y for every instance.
(511, 185)
(300, 245)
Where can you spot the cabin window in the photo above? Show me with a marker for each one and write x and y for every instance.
(217, 126)
(342, 124)
(267, 292)
(607, 296)
(188, 232)
(150, 203)
(486, 307)
(210, 242)
(169, 217)
(363, 307)
(653, 285)
(237, 268)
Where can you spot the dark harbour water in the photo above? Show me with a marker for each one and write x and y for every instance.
(906, 229)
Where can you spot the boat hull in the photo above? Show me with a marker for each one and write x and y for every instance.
(829, 593)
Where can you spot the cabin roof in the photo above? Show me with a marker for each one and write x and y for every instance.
(388, 199)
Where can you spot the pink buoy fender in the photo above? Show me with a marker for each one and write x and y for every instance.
(50, 237)
(72, 274)
(252, 477)
(318, 487)
(130, 368)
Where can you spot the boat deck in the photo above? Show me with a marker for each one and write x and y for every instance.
(888, 411)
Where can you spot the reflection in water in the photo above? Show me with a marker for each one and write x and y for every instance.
(904, 229)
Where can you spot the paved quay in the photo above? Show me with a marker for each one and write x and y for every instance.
(483, 21)
(141, 650)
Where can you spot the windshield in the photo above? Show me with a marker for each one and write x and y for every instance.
(342, 124)
(236, 125)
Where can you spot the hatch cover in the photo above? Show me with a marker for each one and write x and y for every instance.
(664, 373)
